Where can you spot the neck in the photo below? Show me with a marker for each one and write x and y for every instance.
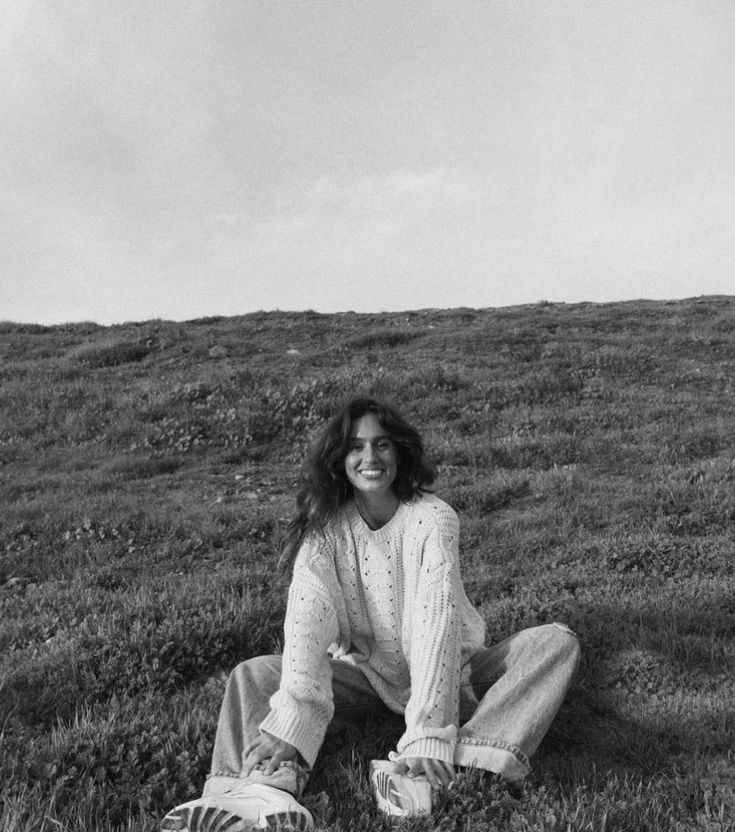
(376, 510)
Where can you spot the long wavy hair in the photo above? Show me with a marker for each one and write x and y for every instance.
(325, 485)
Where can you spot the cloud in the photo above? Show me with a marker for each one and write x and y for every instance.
(373, 206)
(338, 229)
(210, 155)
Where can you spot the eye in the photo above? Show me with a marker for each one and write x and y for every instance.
(384, 445)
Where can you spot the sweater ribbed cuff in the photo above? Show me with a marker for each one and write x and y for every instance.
(304, 733)
(431, 747)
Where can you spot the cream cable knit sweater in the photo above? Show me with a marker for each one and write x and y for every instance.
(391, 602)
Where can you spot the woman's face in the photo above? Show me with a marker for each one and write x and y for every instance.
(371, 463)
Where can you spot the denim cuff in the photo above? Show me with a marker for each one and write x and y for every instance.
(289, 777)
(492, 755)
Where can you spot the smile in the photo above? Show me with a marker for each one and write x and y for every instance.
(371, 473)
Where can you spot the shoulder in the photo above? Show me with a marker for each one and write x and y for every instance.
(439, 540)
(332, 537)
(435, 516)
(317, 550)
(429, 507)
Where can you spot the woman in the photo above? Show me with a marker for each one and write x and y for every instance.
(377, 616)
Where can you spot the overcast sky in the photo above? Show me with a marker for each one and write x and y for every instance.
(180, 159)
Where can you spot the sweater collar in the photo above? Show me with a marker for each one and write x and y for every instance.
(384, 532)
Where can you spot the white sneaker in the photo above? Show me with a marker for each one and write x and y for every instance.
(245, 808)
(398, 795)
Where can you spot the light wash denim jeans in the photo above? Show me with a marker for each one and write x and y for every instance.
(515, 690)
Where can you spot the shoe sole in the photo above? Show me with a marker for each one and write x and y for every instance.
(199, 819)
(393, 801)
(211, 819)
(288, 822)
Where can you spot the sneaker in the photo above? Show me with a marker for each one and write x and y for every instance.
(398, 795)
(246, 808)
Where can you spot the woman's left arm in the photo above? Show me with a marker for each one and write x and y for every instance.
(432, 712)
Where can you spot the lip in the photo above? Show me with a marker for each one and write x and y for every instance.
(371, 473)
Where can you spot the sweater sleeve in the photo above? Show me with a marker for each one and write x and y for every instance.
(303, 706)
(432, 712)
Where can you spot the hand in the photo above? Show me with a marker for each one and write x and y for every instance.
(268, 750)
(439, 774)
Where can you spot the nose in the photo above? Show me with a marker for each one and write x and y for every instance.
(370, 453)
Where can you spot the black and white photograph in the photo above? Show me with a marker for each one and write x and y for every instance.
(367, 416)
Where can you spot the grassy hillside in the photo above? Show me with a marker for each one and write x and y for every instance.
(147, 470)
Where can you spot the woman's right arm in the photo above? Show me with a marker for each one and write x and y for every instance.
(302, 707)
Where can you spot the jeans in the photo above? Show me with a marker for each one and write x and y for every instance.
(514, 692)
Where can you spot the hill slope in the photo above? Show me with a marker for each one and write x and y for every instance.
(146, 471)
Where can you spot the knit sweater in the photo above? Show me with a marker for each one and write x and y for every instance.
(390, 602)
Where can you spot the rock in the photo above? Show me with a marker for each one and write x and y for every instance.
(218, 351)
(17, 583)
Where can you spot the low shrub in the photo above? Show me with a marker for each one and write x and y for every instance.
(109, 352)
(152, 641)
(381, 338)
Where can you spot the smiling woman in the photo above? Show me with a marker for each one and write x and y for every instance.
(332, 474)
(377, 619)
(371, 466)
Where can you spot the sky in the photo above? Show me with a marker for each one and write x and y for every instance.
(183, 159)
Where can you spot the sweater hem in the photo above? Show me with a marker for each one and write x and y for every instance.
(431, 747)
(305, 735)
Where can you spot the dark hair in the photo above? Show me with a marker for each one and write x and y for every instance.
(325, 485)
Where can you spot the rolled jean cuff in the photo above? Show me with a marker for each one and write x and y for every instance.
(491, 755)
(289, 777)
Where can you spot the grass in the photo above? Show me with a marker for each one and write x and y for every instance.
(147, 471)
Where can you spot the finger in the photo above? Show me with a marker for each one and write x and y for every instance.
(415, 767)
(431, 775)
(420, 767)
(252, 746)
(438, 774)
(256, 756)
(251, 762)
(272, 765)
(445, 772)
